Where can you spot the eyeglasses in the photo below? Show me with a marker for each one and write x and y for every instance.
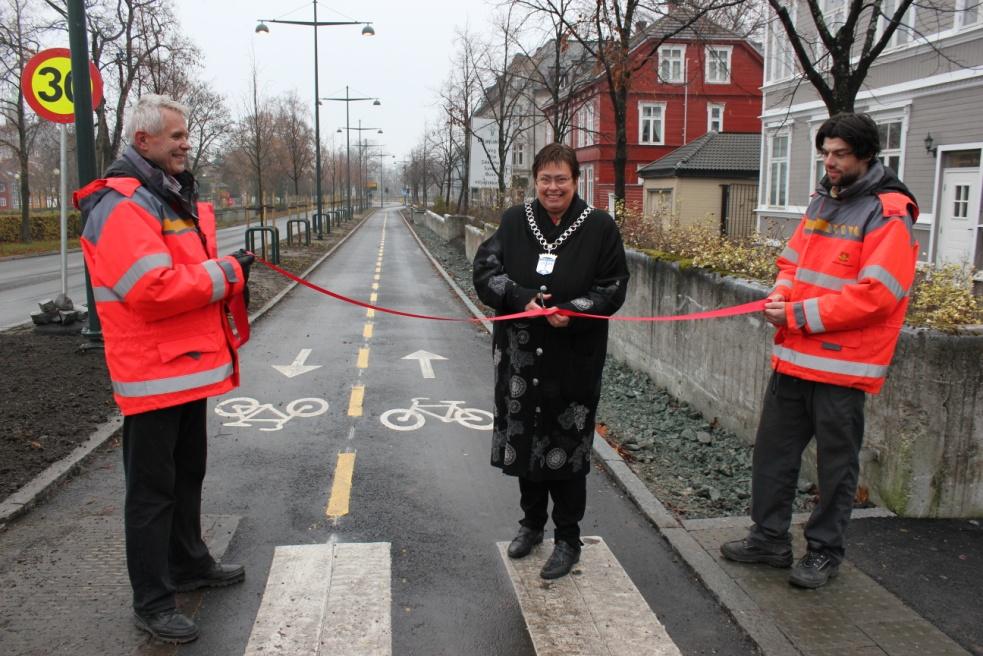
(835, 154)
(559, 181)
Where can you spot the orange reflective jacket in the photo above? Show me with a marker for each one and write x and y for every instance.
(845, 275)
(160, 296)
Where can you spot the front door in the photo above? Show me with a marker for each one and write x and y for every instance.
(959, 216)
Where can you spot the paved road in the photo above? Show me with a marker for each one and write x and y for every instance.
(26, 281)
(391, 537)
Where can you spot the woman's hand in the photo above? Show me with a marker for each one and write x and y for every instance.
(555, 320)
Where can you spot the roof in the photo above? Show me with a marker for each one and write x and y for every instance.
(715, 154)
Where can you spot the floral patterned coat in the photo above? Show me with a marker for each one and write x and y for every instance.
(548, 380)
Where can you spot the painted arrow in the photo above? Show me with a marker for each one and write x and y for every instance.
(297, 367)
(426, 369)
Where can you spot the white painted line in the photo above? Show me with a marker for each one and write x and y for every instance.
(298, 366)
(357, 619)
(326, 599)
(426, 368)
(596, 609)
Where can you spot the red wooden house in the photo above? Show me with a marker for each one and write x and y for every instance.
(703, 78)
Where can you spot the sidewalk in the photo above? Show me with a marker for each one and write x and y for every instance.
(929, 575)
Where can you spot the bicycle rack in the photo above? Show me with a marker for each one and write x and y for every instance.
(274, 234)
(307, 231)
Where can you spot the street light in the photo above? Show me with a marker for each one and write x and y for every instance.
(367, 30)
(361, 203)
(348, 156)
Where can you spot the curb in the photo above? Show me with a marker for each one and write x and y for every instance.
(41, 486)
(748, 615)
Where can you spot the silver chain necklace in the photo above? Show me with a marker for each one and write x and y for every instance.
(548, 247)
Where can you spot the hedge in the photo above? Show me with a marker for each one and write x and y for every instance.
(43, 227)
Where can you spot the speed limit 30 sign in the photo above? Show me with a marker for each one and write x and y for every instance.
(47, 85)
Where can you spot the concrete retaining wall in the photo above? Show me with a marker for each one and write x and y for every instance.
(923, 451)
(474, 237)
(448, 228)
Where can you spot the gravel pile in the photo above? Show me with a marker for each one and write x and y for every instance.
(694, 467)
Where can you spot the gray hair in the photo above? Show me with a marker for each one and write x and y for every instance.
(147, 115)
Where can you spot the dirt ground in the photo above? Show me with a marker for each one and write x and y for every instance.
(52, 395)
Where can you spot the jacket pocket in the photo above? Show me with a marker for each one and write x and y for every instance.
(192, 347)
(839, 340)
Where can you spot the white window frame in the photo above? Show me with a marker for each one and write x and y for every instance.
(713, 55)
(642, 106)
(664, 60)
(959, 19)
(586, 124)
(780, 63)
(518, 155)
(3, 201)
(711, 107)
(894, 117)
(770, 185)
(585, 183)
(903, 36)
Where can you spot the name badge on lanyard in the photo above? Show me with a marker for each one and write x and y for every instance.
(545, 265)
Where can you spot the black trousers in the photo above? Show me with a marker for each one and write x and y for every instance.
(164, 456)
(794, 412)
(569, 504)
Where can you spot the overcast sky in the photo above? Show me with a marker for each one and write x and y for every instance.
(404, 64)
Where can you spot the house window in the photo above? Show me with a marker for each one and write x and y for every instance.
(519, 155)
(650, 123)
(671, 63)
(715, 118)
(660, 202)
(585, 184)
(585, 119)
(905, 33)
(891, 144)
(3, 187)
(3, 202)
(718, 64)
(780, 63)
(778, 170)
(967, 13)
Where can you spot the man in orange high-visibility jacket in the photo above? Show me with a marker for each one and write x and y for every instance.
(162, 294)
(838, 305)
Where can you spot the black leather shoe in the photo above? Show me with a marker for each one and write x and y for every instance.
(217, 576)
(742, 551)
(561, 561)
(524, 542)
(169, 626)
(814, 570)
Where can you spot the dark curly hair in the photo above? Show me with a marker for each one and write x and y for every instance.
(858, 130)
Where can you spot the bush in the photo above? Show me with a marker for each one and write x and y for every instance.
(43, 227)
(942, 298)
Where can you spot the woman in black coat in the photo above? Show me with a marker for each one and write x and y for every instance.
(554, 251)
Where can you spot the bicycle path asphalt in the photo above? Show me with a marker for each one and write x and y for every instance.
(909, 586)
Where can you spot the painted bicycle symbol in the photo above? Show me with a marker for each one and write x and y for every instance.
(413, 417)
(250, 413)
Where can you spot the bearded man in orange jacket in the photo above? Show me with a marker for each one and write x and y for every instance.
(838, 305)
(163, 296)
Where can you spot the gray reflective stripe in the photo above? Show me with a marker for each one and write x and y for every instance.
(790, 254)
(218, 279)
(813, 320)
(174, 384)
(884, 277)
(823, 279)
(829, 364)
(782, 283)
(230, 271)
(141, 267)
(105, 295)
(800, 315)
(98, 213)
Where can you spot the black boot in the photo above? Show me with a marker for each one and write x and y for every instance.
(524, 542)
(167, 626)
(216, 576)
(561, 561)
(742, 551)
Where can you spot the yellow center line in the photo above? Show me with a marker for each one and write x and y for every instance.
(375, 285)
(363, 358)
(367, 330)
(376, 277)
(355, 403)
(373, 297)
(378, 269)
(341, 487)
(370, 313)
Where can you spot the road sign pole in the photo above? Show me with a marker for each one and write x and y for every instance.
(85, 142)
(63, 205)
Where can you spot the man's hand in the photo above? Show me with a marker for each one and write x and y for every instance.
(245, 260)
(775, 312)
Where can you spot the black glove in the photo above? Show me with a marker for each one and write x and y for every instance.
(245, 295)
(245, 261)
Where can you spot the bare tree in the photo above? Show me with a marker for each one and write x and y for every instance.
(209, 123)
(253, 137)
(460, 96)
(19, 35)
(297, 138)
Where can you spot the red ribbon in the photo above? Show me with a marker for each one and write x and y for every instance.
(735, 310)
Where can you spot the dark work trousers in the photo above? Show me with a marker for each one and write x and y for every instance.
(794, 412)
(164, 454)
(569, 503)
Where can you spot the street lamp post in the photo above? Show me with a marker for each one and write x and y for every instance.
(360, 145)
(367, 30)
(348, 152)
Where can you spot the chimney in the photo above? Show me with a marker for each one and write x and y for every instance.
(640, 26)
